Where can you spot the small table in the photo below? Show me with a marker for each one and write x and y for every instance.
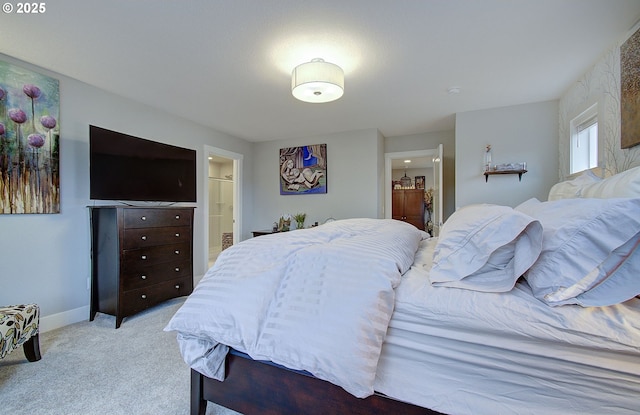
(264, 232)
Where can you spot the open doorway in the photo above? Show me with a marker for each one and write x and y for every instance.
(222, 201)
(429, 164)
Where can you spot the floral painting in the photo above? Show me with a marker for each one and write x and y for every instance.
(29, 141)
(303, 170)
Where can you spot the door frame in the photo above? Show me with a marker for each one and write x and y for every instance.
(388, 191)
(237, 194)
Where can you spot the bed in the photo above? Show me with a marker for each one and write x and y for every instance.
(522, 310)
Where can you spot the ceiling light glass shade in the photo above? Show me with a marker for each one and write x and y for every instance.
(317, 81)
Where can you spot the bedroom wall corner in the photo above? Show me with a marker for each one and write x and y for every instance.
(46, 257)
(381, 184)
(428, 141)
(600, 84)
(352, 180)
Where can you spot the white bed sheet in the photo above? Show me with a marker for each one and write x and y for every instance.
(462, 352)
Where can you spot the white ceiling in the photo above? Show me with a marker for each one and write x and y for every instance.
(226, 64)
(414, 163)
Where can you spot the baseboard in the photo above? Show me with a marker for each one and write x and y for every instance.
(55, 321)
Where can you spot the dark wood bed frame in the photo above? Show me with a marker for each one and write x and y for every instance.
(258, 388)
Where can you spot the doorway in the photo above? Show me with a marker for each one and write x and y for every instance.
(222, 201)
(421, 159)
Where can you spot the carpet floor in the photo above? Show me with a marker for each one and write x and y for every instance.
(90, 368)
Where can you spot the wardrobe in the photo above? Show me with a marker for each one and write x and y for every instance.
(408, 206)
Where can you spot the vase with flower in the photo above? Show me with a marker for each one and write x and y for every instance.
(299, 218)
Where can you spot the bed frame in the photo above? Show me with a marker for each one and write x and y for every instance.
(254, 387)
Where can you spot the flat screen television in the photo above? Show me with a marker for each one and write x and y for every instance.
(127, 168)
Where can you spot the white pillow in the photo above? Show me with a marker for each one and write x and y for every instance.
(625, 184)
(485, 248)
(590, 252)
(572, 188)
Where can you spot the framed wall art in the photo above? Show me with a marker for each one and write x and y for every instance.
(630, 91)
(29, 141)
(303, 170)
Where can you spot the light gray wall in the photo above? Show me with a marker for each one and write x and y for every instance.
(381, 172)
(353, 180)
(523, 133)
(46, 258)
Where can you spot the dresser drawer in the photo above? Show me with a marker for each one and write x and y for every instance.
(137, 300)
(149, 218)
(143, 237)
(144, 257)
(144, 276)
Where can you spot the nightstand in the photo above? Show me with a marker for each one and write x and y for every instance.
(264, 232)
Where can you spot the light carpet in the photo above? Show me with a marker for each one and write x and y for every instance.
(90, 368)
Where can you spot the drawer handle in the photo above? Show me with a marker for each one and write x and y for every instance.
(177, 269)
(177, 216)
(143, 257)
(177, 252)
(143, 296)
(177, 287)
(144, 238)
(144, 277)
(143, 218)
(177, 235)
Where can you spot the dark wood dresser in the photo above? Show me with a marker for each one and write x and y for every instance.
(140, 256)
(408, 206)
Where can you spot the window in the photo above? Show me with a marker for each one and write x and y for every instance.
(584, 141)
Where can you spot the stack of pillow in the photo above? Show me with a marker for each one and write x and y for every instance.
(579, 247)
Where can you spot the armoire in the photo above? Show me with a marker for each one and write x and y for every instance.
(408, 206)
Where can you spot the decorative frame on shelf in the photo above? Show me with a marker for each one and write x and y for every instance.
(419, 182)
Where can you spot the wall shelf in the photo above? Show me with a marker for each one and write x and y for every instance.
(490, 173)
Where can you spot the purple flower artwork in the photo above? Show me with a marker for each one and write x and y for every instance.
(29, 141)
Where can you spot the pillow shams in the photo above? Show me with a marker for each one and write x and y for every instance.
(590, 252)
(572, 188)
(623, 184)
(485, 248)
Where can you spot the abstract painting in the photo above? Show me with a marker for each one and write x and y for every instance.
(303, 170)
(630, 91)
(29, 141)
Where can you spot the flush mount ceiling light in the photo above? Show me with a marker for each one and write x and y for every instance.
(317, 81)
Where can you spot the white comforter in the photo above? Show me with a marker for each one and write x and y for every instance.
(318, 299)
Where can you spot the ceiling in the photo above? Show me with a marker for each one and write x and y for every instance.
(414, 163)
(226, 64)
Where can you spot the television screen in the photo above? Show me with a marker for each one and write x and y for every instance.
(123, 167)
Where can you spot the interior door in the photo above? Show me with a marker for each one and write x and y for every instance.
(437, 191)
(222, 201)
